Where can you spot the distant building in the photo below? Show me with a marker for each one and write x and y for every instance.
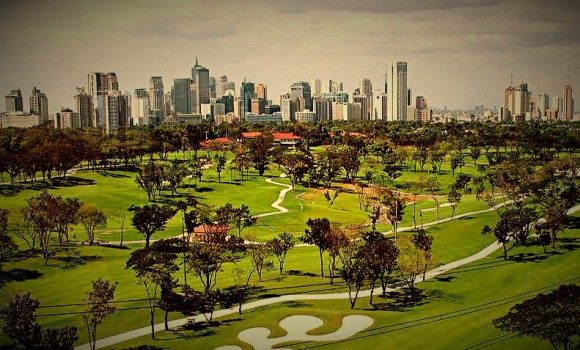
(140, 107)
(397, 91)
(543, 104)
(39, 104)
(322, 109)
(67, 119)
(346, 111)
(181, 95)
(517, 101)
(271, 109)
(380, 101)
(306, 116)
(157, 97)
(19, 119)
(316, 87)
(567, 111)
(366, 102)
(98, 85)
(287, 108)
(258, 106)
(366, 87)
(84, 107)
(264, 118)
(261, 91)
(247, 93)
(14, 101)
(301, 91)
(200, 87)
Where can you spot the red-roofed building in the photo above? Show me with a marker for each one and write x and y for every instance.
(221, 140)
(286, 138)
(207, 233)
(251, 134)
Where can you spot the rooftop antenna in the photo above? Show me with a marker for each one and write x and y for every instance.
(196, 64)
(512, 79)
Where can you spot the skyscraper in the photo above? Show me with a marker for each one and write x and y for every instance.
(39, 104)
(300, 91)
(200, 90)
(84, 107)
(543, 104)
(397, 93)
(157, 97)
(140, 107)
(316, 87)
(516, 102)
(181, 103)
(98, 85)
(247, 93)
(379, 105)
(14, 101)
(366, 88)
(261, 91)
(567, 112)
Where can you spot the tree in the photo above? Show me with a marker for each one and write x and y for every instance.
(153, 266)
(554, 317)
(92, 219)
(393, 209)
(279, 246)
(457, 161)
(336, 240)
(379, 257)
(424, 242)
(98, 306)
(19, 319)
(20, 325)
(241, 218)
(120, 215)
(220, 160)
(259, 254)
(453, 198)
(148, 179)
(411, 262)
(41, 212)
(206, 260)
(353, 274)
(7, 245)
(259, 151)
(150, 219)
(296, 165)
(65, 216)
(432, 185)
(316, 235)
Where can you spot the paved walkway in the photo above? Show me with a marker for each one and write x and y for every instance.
(293, 297)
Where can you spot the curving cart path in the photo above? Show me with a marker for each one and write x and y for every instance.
(115, 339)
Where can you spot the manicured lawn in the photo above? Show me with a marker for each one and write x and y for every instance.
(456, 312)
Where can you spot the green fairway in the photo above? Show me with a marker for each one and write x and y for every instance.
(456, 311)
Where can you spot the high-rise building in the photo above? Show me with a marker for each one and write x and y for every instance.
(200, 87)
(247, 93)
(257, 106)
(39, 104)
(316, 87)
(346, 111)
(14, 101)
(397, 93)
(181, 95)
(222, 86)
(322, 109)
(301, 91)
(67, 119)
(98, 85)
(366, 88)
(420, 102)
(157, 97)
(379, 105)
(543, 104)
(212, 87)
(84, 108)
(261, 91)
(140, 107)
(567, 111)
(366, 105)
(517, 102)
(287, 108)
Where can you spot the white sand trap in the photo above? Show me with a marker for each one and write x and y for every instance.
(297, 327)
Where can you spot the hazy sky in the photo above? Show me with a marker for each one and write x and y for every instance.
(459, 52)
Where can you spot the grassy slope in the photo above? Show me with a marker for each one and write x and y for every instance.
(456, 313)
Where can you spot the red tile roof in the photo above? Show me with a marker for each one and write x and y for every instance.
(285, 136)
(222, 140)
(251, 134)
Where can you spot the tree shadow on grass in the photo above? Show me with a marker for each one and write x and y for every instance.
(295, 304)
(107, 173)
(18, 275)
(569, 244)
(115, 246)
(72, 258)
(193, 330)
(300, 273)
(402, 300)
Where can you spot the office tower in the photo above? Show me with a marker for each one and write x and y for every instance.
(287, 108)
(84, 107)
(14, 101)
(306, 117)
(228, 102)
(365, 102)
(39, 104)
(366, 88)
(257, 106)
(567, 111)
(181, 95)
(168, 104)
(125, 109)
(421, 112)
(397, 93)
(346, 111)
(543, 104)
(140, 107)
(222, 86)
(316, 87)
(109, 110)
(200, 87)
(67, 119)
(379, 105)
(98, 85)
(301, 91)
(420, 102)
(322, 109)
(212, 87)
(517, 102)
(157, 97)
(247, 93)
(261, 91)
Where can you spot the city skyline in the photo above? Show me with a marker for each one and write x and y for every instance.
(460, 53)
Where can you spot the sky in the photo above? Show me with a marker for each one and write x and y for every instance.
(460, 53)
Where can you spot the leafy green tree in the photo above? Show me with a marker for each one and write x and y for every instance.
(7, 245)
(220, 160)
(424, 242)
(317, 234)
(20, 319)
(411, 262)
(379, 257)
(280, 246)
(554, 317)
(92, 219)
(150, 219)
(65, 216)
(98, 306)
(259, 152)
(41, 212)
(153, 267)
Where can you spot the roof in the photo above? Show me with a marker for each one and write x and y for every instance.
(211, 228)
(251, 134)
(222, 140)
(285, 136)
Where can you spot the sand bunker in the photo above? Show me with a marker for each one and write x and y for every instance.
(297, 327)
